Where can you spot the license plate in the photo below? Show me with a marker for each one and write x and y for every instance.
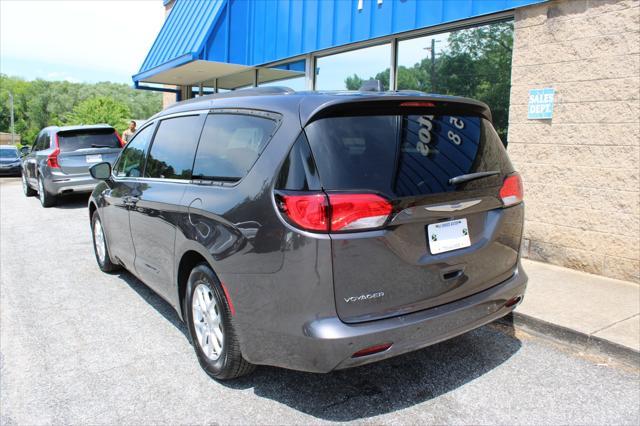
(95, 158)
(447, 236)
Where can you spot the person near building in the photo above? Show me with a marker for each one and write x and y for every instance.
(131, 130)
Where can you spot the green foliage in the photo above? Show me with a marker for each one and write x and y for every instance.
(100, 110)
(476, 63)
(41, 103)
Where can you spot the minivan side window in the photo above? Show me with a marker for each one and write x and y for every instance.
(131, 161)
(173, 148)
(230, 144)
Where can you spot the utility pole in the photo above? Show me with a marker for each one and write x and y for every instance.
(432, 50)
(13, 142)
(433, 65)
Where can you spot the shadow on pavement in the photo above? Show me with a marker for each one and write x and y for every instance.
(72, 201)
(158, 303)
(373, 389)
(386, 386)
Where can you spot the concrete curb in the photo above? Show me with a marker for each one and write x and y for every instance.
(583, 342)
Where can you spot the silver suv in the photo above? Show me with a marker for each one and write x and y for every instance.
(58, 161)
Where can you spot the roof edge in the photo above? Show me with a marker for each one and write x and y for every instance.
(180, 60)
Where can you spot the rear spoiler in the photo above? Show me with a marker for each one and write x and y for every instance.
(393, 105)
(104, 130)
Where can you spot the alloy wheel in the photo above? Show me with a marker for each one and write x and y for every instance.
(207, 321)
(98, 238)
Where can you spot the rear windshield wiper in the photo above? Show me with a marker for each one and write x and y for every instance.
(94, 145)
(216, 178)
(471, 176)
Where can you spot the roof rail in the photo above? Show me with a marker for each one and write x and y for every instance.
(251, 91)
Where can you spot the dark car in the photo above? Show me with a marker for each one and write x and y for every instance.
(58, 161)
(316, 231)
(9, 161)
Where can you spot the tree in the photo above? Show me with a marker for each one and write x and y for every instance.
(100, 109)
(41, 103)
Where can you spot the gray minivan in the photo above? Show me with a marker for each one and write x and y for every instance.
(315, 230)
(58, 161)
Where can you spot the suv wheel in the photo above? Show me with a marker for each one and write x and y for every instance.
(100, 248)
(211, 326)
(28, 191)
(46, 199)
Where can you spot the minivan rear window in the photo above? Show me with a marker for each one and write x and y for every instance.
(88, 139)
(405, 155)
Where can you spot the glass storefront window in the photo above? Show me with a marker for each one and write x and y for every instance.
(348, 70)
(473, 62)
(289, 75)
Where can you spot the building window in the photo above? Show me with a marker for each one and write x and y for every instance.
(289, 75)
(473, 62)
(348, 70)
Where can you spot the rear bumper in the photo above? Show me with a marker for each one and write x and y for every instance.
(61, 183)
(329, 343)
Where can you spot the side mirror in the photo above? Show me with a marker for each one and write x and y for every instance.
(100, 171)
(25, 150)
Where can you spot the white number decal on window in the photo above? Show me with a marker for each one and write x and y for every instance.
(457, 122)
(424, 135)
(454, 137)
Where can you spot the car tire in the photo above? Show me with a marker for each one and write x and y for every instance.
(28, 191)
(46, 199)
(222, 358)
(100, 248)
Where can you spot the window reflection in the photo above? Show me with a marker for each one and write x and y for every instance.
(291, 75)
(474, 62)
(349, 70)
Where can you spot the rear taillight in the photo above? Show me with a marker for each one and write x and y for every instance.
(307, 211)
(122, 143)
(358, 211)
(52, 159)
(512, 191)
(335, 212)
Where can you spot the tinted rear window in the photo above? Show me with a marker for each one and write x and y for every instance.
(405, 155)
(87, 139)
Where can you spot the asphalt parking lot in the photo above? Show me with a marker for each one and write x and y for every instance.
(80, 346)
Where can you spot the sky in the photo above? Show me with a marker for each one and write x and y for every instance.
(77, 41)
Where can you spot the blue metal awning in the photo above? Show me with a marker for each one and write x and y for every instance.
(182, 37)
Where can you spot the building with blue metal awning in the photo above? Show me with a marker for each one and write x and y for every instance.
(561, 77)
(228, 44)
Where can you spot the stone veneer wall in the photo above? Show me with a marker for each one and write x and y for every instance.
(580, 169)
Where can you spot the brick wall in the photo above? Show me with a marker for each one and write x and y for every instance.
(581, 168)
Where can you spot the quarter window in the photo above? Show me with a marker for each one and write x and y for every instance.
(173, 148)
(230, 144)
(131, 160)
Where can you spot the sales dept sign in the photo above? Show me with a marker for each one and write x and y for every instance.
(540, 104)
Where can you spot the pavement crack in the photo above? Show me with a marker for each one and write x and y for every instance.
(612, 324)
